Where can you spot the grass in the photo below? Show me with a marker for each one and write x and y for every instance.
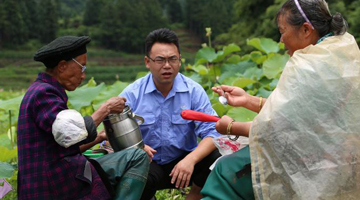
(172, 194)
(20, 77)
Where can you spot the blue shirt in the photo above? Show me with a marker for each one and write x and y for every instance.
(164, 129)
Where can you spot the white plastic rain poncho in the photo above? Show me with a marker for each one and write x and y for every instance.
(305, 142)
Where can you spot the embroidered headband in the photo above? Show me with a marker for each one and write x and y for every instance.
(303, 14)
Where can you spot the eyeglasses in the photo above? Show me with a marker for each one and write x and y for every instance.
(162, 61)
(83, 67)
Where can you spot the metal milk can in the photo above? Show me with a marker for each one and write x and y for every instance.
(123, 130)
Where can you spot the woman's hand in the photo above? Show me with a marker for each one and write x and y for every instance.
(115, 104)
(236, 96)
(150, 152)
(222, 124)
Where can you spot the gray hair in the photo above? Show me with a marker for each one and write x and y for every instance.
(318, 13)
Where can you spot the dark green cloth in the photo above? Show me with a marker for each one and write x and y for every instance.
(62, 48)
(224, 184)
(126, 171)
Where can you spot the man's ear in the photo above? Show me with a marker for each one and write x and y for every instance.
(62, 66)
(147, 60)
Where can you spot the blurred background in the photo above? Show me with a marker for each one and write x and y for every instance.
(233, 42)
(118, 29)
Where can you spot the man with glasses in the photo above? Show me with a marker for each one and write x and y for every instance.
(51, 137)
(177, 159)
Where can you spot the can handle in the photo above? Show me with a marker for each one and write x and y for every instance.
(140, 119)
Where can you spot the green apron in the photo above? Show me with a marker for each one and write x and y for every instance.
(231, 178)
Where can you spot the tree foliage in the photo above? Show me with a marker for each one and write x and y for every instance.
(48, 20)
(12, 24)
(219, 15)
(256, 19)
(124, 24)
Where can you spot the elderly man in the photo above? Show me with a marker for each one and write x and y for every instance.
(171, 142)
(51, 165)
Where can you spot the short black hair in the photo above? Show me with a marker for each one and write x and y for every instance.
(162, 35)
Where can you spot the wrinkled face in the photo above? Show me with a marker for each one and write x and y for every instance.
(163, 73)
(72, 76)
(290, 35)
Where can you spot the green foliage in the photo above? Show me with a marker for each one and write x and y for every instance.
(6, 170)
(172, 194)
(84, 95)
(209, 13)
(173, 10)
(48, 17)
(256, 72)
(124, 24)
(92, 12)
(12, 24)
(252, 19)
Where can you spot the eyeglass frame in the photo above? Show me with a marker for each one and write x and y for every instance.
(167, 60)
(83, 67)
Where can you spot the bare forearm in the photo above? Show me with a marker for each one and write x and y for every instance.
(205, 147)
(87, 146)
(99, 115)
(255, 103)
(240, 128)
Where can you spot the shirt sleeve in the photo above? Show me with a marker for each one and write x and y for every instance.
(91, 129)
(129, 96)
(202, 103)
(47, 104)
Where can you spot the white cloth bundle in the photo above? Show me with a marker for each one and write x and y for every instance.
(69, 128)
(305, 142)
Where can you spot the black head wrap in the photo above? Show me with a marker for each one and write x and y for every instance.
(62, 48)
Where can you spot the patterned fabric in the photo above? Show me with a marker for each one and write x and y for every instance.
(47, 170)
(164, 130)
(324, 37)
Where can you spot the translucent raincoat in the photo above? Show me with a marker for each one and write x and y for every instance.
(305, 142)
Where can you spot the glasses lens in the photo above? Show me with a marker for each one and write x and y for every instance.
(83, 68)
(160, 61)
(173, 61)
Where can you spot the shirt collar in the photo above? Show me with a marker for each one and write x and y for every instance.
(324, 37)
(44, 77)
(179, 84)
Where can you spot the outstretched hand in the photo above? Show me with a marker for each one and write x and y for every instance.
(235, 96)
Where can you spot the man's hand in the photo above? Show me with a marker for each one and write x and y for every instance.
(115, 104)
(182, 173)
(150, 152)
(101, 136)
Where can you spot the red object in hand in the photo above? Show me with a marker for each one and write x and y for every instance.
(198, 116)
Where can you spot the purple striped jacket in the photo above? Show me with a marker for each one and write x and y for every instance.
(46, 169)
